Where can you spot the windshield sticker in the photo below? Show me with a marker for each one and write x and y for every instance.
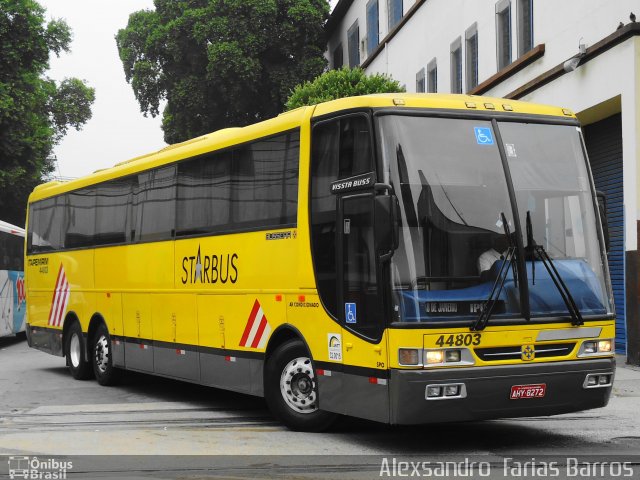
(510, 148)
(350, 313)
(484, 136)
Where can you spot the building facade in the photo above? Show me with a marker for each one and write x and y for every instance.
(581, 55)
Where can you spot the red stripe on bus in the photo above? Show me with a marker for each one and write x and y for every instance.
(63, 299)
(252, 318)
(263, 325)
(55, 292)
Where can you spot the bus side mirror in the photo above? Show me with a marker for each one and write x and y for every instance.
(602, 210)
(386, 226)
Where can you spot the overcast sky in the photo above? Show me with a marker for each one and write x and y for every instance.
(117, 130)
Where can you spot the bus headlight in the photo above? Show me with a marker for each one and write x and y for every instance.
(434, 357)
(447, 357)
(452, 356)
(409, 357)
(590, 348)
(604, 346)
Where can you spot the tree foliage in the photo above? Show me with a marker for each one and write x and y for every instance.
(220, 63)
(35, 111)
(345, 82)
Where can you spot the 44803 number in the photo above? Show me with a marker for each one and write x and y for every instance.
(459, 340)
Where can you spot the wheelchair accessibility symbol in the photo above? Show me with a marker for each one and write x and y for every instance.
(350, 313)
(484, 136)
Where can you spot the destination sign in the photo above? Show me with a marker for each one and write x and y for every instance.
(460, 308)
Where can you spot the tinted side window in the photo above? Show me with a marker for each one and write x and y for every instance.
(265, 186)
(324, 170)
(80, 218)
(154, 204)
(204, 195)
(359, 266)
(11, 252)
(355, 146)
(113, 211)
(46, 225)
(340, 149)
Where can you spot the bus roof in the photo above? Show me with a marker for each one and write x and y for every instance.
(288, 120)
(441, 101)
(12, 229)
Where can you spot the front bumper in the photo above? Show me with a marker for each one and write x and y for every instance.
(488, 391)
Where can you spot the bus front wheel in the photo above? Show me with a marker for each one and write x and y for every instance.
(80, 369)
(102, 357)
(291, 390)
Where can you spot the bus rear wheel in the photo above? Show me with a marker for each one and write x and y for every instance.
(80, 369)
(102, 357)
(291, 390)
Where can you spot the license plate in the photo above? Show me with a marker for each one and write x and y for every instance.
(528, 391)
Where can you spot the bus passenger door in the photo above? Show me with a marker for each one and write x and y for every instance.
(365, 379)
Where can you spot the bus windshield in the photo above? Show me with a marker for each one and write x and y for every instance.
(458, 238)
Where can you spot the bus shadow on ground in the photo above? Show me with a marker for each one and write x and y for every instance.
(170, 390)
(10, 341)
(450, 438)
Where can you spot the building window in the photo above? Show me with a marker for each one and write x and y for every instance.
(372, 25)
(420, 81)
(456, 66)
(432, 76)
(525, 26)
(471, 56)
(503, 33)
(353, 38)
(338, 61)
(395, 12)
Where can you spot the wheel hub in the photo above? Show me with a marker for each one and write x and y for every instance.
(297, 385)
(74, 350)
(102, 354)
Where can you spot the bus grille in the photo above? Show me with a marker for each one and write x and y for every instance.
(494, 354)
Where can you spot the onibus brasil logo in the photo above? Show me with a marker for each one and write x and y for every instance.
(35, 468)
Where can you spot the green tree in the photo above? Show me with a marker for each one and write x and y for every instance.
(220, 63)
(345, 82)
(35, 111)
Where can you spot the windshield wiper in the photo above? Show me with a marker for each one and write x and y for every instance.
(532, 249)
(491, 301)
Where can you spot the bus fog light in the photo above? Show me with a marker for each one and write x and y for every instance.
(434, 356)
(590, 347)
(409, 356)
(452, 390)
(592, 381)
(604, 346)
(604, 379)
(434, 391)
(452, 356)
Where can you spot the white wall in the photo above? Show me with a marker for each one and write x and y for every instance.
(561, 25)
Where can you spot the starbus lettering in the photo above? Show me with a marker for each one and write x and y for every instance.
(210, 268)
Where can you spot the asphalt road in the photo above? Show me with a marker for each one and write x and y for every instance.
(44, 412)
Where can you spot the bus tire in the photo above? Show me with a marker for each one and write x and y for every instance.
(102, 357)
(291, 391)
(74, 346)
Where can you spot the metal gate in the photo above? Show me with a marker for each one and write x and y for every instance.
(604, 146)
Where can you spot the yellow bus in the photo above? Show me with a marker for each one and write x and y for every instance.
(401, 258)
